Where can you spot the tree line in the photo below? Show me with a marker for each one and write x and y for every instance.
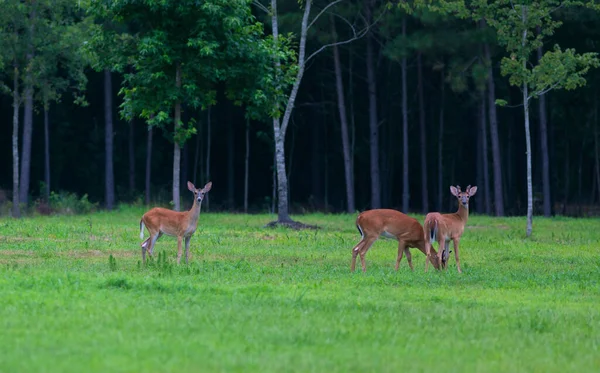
(312, 106)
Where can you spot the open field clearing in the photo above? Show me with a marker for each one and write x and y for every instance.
(74, 298)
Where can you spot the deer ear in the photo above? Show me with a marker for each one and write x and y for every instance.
(454, 191)
(191, 187)
(207, 187)
(472, 191)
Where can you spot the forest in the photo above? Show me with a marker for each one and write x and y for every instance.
(291, 107)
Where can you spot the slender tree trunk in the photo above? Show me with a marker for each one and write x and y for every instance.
(567, 177)
(109, 185)
(247, 165)
(424, 191)
(26, 149)
(279, 128)
(373, 124)
(16, 207)
(176, 147)
(485, 160)
(197, 153)
(596, 146)
(208, 144)
(479, 207)
(148, 164)
(27, 117)
(544, 149)
(339, 84)
(47, 151)
(274, 184)
(440, 191)
(527, 136)
(230, 162)
(131, 148)
(496, 158)
(405, 184)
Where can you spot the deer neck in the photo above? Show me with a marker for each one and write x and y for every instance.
(463, 212)
(194, 212)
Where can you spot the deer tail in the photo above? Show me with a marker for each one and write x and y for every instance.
(142, 229)
(432, 228)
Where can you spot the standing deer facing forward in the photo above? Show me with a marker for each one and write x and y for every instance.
(373, 224)
(172, 223)
(445, 227)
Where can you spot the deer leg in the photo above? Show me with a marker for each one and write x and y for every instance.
(401, 247)
(144, 253)
(151, 242)
(363, 252)
(409, 258)
(428, 255)
(456, 240)
(179, 238)
(187, 248)
(440, 253)
(355, 251)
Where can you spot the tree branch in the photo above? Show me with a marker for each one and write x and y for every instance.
(260, 6)
(355, 36)
(323, 11)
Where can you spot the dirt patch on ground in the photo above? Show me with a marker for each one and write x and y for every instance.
(290, 224)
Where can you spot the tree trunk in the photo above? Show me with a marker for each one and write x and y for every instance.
(279, 129)
(405, 185)
(109, 185)
(544, 150)
(247, 165)
(496, 158)
(567, 176)
(27, 118)
(527, 136)
(230, 162)
(26, 149)
(596, 146)
(485, 160)
(373, 124)
(208, 144)
(16, 207)
(46, 152)
(148, 164)
(424, 191)
(131, 146)
(176, 148)
(339, 85)
(197, 153)
(440, 145)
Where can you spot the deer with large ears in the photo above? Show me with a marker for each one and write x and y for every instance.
(387, 223)
(445, 227)
(161, 221)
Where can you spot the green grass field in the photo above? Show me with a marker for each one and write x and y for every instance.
(73, 298)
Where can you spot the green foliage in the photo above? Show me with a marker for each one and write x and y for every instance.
(69, 203)
(208, 43)
(256, 299)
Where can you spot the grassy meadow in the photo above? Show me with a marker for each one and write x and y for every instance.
(74, 298)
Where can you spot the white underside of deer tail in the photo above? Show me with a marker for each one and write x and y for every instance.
(142, 225)
(433, 227)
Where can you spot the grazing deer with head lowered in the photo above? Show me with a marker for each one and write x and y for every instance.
(387, 223)
(161, 221)
(445, 227)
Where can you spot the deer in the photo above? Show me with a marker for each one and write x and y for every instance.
(183, 224)
(387, 223)
(445, 227)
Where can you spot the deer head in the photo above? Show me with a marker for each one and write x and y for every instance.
(463, 197)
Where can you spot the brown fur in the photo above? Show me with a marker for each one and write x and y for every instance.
(161, 221)
(406, 230)
(445, 227)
